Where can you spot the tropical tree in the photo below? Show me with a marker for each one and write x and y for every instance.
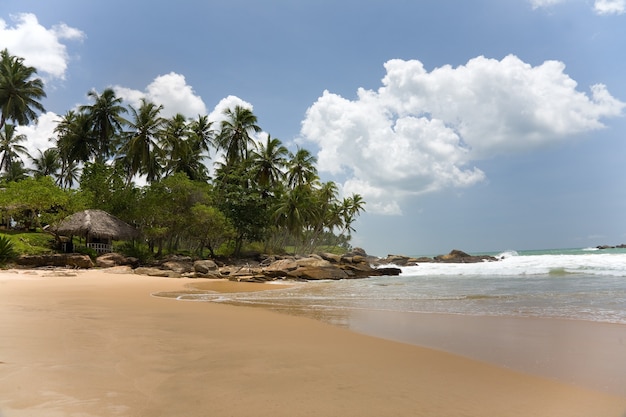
(11, 148)
(47, 163)
(184, 153)
(301, 168)
(268, 161)
(141, 154)
(105, 116)
(234, 137)
(19, 91)
(74, 139)
(201, 133)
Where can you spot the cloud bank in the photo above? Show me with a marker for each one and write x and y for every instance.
(424, 131)
(40, 47)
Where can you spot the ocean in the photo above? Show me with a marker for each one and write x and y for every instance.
(581, 284)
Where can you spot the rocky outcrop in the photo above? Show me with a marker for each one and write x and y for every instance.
(313, 267)
(455, 256)
(66, 260)
(110, 260)
(622, 246)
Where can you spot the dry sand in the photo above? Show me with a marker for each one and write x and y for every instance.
(98, 344)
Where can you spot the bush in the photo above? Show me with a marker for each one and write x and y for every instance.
(135, 250)
(7, 251)
(84, 250)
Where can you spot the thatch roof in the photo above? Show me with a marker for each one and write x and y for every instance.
(95, 223)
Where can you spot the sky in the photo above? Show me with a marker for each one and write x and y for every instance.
(479, 125)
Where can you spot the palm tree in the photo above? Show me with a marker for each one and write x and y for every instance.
(74, 139)
(106, 119)
(301, 168)
(17, 171)
(47, 163)
(19, 93)
(70, 173)
(234, 136)
(202, 133)
(268, 161)
(141, 153)
(11, 148)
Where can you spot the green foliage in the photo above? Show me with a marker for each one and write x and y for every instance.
(84, 250)
(7, 252)
(135, 250)
(263, 196)
(31, 243)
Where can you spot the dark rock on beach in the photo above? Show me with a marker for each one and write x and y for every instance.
(66, 260)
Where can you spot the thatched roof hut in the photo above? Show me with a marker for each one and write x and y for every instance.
(96, 224)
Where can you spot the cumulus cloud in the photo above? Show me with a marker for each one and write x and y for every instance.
(544, 3)
(601, 7)
(424, 131)
(38, 135)
(170, 90)
(605, 7)
(40, 47)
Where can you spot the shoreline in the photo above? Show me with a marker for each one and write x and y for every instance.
(589, 354)
(99, 344)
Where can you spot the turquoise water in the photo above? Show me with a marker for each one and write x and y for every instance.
(582, 284)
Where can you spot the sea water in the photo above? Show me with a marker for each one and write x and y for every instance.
(582, 284)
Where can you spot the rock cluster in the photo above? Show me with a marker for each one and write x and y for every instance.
(321, 266)
(622, 246)
(455, 256)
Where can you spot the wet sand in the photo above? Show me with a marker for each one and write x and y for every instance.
(98, 344)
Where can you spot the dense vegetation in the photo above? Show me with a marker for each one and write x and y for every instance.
(259, 193)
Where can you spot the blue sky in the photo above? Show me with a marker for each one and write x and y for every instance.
(480, 125)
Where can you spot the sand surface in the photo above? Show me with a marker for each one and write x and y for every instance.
(98, 344)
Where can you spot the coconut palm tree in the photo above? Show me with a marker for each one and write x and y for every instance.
(74, 139)
(183, 154)
(141, 154)
(47, 163)
(201, 133)
(301, 168)
(11, 148)
(105, 115)
(234, 137)
(268, 161)
(19, 92)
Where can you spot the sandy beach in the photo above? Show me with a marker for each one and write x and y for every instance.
(99, 344)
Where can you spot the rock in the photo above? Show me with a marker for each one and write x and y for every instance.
(112, 259)
(121, 269)
(71, 260)
(331, 257)
(457, 256)
(205, 267)
(317, 273)
(389, 271)
(178, 266)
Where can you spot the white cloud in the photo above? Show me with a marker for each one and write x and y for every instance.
(39, 46)
(171, 91)
(38, 135)
(601, 7)
(422, 131)
(544, 3)
(604, 7)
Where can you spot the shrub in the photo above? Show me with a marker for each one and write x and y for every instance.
(7, 252)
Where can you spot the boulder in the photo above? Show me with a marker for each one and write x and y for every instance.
(205, 267)
(112, 259)
(318, 272)
(71, 260)
(178, 266)
(457, 256)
